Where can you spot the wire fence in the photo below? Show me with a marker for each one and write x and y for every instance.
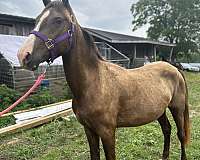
(113, 55)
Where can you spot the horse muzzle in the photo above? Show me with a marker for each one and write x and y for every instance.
(26, 61)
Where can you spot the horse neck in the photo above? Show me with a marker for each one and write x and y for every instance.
(81, 65)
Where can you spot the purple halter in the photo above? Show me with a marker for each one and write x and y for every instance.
(52, 43)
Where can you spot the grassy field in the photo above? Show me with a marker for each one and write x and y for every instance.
(61, 140)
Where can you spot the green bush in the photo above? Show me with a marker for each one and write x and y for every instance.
(188, 57)
(9, 96)
(42, 97)
(5, 121)
(67, 94)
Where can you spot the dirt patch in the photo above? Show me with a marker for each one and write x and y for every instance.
(194, 113)
(4, 158)
(13, 141)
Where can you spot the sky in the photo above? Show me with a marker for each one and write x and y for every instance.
(110, 15)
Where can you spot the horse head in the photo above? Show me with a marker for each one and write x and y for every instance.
(51, 37)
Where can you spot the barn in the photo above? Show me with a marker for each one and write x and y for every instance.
(125, 50)
(135, 48)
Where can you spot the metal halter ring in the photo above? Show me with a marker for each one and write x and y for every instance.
(50, 44)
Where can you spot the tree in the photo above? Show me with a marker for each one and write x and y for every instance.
(175, 21)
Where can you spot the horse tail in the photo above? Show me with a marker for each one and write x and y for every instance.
(186, 113)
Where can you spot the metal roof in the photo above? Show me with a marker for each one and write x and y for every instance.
(9, 46)
(122, 38)
(12, 18)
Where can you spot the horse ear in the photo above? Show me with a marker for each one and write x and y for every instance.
(65, 2)
(46, 2)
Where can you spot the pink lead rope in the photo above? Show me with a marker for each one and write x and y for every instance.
(37, 83)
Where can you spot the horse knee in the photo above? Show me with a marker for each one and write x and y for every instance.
(181, 136)
(168, 129)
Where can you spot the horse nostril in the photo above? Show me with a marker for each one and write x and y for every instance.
(27, 58)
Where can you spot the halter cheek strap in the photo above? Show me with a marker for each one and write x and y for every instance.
(52, 43)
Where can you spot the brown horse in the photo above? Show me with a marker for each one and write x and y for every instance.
(107, 96)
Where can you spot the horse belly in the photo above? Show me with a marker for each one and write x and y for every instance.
(147, 105)
(137, 116)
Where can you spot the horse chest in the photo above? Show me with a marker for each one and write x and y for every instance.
(81, 114)
(78, 113)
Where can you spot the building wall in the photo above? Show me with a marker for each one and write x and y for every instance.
(11, 28)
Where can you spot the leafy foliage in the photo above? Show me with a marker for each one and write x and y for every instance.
(5, 121)
(175, 21)
(42, 97)
(188, 58)
(9, 96)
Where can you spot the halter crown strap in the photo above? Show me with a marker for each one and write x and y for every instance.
(52, 43)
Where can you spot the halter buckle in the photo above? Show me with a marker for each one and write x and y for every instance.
(50, 44)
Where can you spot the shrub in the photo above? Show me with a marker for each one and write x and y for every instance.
(188, 57)
(5, 121)
(9, 96)
(67, 94)
(43, 97)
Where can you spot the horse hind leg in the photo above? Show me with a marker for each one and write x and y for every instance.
(178, 115)
(166, 129)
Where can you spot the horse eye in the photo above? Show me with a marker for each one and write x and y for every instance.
(58, 21)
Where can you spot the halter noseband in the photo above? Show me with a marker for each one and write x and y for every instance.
(52, 43)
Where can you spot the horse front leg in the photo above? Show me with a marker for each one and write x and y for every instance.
(93, 140)
(108, 141)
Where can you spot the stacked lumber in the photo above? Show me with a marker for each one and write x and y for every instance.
(34, 121)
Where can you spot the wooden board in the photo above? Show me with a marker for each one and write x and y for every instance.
(34, 123)
(32, 109)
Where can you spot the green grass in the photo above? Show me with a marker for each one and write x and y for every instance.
(193, 81)
(61, 140)
(5, 121)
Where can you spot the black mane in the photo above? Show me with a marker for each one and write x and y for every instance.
(90, 42)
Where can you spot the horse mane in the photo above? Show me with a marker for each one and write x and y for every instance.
(90, 42)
